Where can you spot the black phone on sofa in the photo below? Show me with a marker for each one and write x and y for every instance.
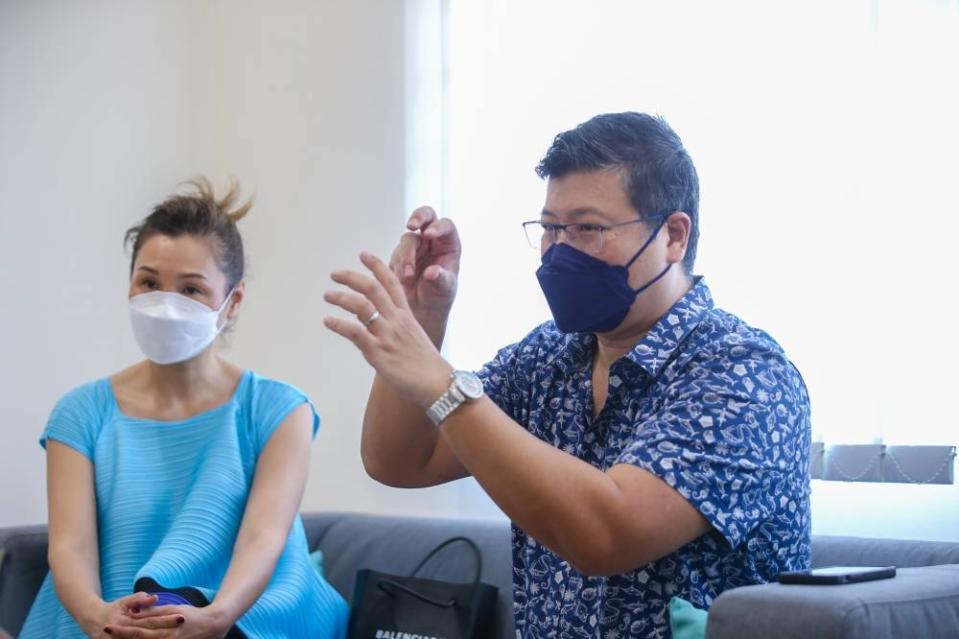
(832, 575)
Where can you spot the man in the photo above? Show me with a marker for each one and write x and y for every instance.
(644, 444)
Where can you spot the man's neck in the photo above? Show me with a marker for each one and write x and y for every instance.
(646, 311)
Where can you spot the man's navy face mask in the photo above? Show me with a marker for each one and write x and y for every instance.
(584, 293)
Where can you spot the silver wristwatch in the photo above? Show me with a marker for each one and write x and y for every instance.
(464, 387)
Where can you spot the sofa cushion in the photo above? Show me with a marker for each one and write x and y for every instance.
(23, 566)
(351, 541)
(917, 602)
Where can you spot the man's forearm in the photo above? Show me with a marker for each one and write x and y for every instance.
(398, 439)
(559, 500)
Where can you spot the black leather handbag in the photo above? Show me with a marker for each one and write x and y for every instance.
(409, 607)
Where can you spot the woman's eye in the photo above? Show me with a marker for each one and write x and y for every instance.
(191, 290)
(148, 284)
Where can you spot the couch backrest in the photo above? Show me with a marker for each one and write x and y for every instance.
(351, 541)
(862, 551)
(23, 565)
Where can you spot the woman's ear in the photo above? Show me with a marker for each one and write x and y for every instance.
(678, 226)
(239, 293)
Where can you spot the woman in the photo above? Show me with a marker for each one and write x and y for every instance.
(174, 485)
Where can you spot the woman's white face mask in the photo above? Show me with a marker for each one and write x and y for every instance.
(172, 328)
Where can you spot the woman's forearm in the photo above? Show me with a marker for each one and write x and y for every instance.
(251, 568)
(76, 580)
(74, 555)
(278, 486)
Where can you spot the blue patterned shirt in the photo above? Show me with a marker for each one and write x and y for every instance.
(705, 402)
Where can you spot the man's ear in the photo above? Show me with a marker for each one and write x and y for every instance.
(678, 227)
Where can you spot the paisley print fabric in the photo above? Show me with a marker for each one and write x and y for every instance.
(705, 402)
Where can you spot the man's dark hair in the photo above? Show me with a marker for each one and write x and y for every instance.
(659, 174)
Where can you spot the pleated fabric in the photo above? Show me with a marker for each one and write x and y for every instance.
(170, 498)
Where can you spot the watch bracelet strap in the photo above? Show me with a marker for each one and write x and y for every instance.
(446, 404)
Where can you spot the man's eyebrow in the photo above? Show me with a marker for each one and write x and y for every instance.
(586, 210)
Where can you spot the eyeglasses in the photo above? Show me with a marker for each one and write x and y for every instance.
(589, 238)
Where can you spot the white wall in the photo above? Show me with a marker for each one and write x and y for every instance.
(104, 107)
(95, 126)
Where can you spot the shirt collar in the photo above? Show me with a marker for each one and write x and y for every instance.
(662, 340)
(658, 345)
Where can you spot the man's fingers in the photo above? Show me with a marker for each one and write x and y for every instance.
(403, 262)
(351, 303)
(352, 331)
(367, 286)
(385, 277)
(428, 239)
(444, 231)
(421, 218)
(443, 280)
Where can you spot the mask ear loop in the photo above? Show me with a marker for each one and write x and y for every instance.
(654, 280)
(229, 296)
(649, 241)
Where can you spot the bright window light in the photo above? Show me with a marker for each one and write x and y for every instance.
(826, 139)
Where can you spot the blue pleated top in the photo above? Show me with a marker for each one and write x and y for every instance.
(170, 498)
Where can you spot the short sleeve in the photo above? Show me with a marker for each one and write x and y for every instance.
(273, 403)
(729, 441)
(76, 419)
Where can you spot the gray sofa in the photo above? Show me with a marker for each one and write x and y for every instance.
(922, 601)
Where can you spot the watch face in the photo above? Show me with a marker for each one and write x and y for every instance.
(469, 384)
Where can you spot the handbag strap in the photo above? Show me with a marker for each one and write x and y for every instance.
(452, 540)
(383, 583)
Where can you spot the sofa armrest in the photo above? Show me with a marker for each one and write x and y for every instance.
(23, 566)
(917, 602)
